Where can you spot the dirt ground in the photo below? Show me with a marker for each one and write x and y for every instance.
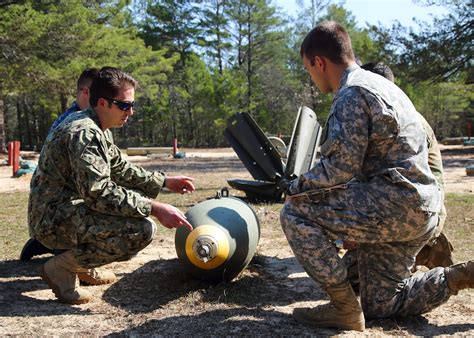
(154, 296)
(455, 160)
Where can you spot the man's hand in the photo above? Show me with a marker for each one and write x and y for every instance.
(169, 216)
(180, 184)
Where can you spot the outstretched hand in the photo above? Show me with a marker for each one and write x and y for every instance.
(169, 216)
(180, 184)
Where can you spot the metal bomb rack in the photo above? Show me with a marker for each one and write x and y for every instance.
(262, 159)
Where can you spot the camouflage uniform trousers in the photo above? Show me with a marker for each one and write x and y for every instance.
(389, 240)
(95, 238)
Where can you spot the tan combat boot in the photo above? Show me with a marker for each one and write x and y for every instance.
(60, 272)
(460, 276)
(437, 254)
(96, 277)
(342, 312)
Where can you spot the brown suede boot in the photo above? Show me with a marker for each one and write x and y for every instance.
(437, 254)
(342, 312)
(460, 276)
(60, 272)
(96, 277)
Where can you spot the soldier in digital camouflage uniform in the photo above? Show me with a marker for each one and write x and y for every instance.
(437, 252)
(88, 200)
(432, 256)
(372, 185)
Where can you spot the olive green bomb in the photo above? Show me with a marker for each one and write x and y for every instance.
(224, 239)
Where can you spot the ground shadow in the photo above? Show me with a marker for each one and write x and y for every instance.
(233, 322)
(419, 326)
(160, 282)
(249, 303)
(24, 278)
(17, 268)
(264, 321)
(457, 162)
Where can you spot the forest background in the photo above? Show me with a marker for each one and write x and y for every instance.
(199, 62)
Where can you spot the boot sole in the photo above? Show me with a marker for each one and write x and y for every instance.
(86, 280)
(357, 326)
(56, 291)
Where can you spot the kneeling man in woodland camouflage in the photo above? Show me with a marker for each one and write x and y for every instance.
(88, 200)
(373, 186)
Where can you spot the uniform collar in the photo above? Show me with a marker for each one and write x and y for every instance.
(94, 116)
(346, 73)
(74, 107)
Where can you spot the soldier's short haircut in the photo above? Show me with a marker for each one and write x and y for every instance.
(328, 39)
(379, 68)
(107, 84)
(86, 77)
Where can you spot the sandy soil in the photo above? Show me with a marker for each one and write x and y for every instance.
(155, 296)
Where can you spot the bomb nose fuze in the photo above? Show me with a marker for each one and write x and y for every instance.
(224, 239)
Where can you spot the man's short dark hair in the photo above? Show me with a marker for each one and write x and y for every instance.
(379, 68)
(86, 77)
(328, 39)
(107, 84)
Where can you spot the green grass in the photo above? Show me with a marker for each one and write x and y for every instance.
(14, 230)
(13, 224)
(459, 225)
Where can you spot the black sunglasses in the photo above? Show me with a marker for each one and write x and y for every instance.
(122, 105)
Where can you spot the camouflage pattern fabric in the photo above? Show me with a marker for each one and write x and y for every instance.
(349, 260)
(388, 289)
(83, 184)
(97, 238)
(435, 163)
(374, 146)
(373, 130)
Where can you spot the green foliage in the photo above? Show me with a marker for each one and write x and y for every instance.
(170, 24)
(216, 33)
(49, 44)
(444, 105)
(427, 55)
(200, 62)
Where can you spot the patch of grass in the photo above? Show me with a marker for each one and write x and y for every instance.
(13, 224)
(459, 226)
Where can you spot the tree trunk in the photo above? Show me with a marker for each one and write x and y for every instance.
(27, 125)
(2, 128)
(63, 100)
(19, 135)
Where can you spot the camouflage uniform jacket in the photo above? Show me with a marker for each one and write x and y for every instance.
(79, 162)
(374, 136)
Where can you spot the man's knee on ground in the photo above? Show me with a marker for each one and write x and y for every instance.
(375, 306)
(149, 229)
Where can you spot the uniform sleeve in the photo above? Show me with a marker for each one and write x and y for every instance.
(132, 176)
(92, 177)
(435, 161)
(343, 146)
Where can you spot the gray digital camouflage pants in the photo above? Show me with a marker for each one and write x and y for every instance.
(95, 238)
(388, 239)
